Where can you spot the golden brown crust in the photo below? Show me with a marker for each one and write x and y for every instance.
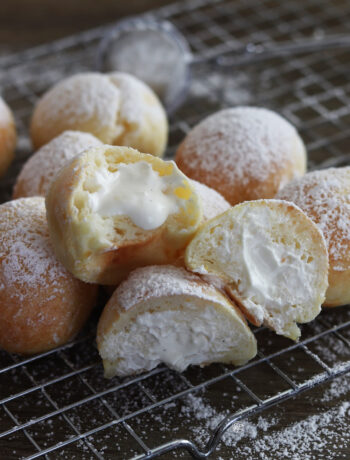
(39, 170)
(324, 197)
(117, 108)
(77, 241)
(41, 305)
(245, 153)
(8, 137)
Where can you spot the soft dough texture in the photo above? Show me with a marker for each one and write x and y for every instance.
(271, 258)
(325, 197)
(245, 153)
(117, 108)
(41, 305)
(7, 137)
(213, 203)
(101, 244)
(38, 172)
(164, 314)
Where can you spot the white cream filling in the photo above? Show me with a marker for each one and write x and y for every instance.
(273, 273)
(269, 274)
(136, 191)
(175, 338)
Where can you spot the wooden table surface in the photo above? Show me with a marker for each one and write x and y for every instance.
(26, 23)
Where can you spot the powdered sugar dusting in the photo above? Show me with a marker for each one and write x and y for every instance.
(241, 144)
(40, 169)
(79, 99)
(26, 255)
(213, 203)
(137, 100)
(325, 197)
(163, 280)
(196, 407)
(266, 437)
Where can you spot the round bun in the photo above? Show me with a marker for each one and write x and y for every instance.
(38, 172)
(325, 197)
(113, 209)
(164, 314)
(271, 258)
(117, 108)
(244, 153)
(7, 137)
(213, 203)
(41, 305)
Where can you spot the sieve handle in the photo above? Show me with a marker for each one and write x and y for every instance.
(252, 52)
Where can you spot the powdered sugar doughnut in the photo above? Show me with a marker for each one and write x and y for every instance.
(213, 203)
(41, 305)
(38, 172)
(164, 314)
(325, 197)
(7, 137)
(117, 108)
(245, 153)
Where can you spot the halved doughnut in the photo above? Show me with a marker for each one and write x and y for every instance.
(271, 258)
(325, 197)
(113, 209)
(164, 314)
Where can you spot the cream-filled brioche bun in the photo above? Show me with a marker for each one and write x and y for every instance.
(8, 137)
(325, 197)
(271, 258)
(113, 209)
(117, 108)
(39, 170)
(164, 314)
(245, 153)
(213, 203)
(41, 305)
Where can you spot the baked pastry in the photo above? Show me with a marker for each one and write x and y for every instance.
(325, 197)
(271, 258)
(113, 209)
(164, 314)
(8, 137)
(117, 108)
(245, 153)
(39, 170)
(213, 203)
(41, 305)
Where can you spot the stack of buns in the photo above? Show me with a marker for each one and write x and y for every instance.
(231, 231)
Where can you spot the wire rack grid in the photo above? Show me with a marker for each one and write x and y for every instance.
(57, 404)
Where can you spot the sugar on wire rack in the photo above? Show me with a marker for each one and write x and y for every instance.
(57, 404)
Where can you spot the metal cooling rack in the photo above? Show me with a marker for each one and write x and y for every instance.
(57, 404)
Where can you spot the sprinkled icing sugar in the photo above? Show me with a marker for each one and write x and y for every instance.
(213, 203)
(27, 259)
(98, 103)
(271, 436)
(325, 197)
(240, 145)
(137, 101)
(81, 98)
(40, 169)
(163, 280)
